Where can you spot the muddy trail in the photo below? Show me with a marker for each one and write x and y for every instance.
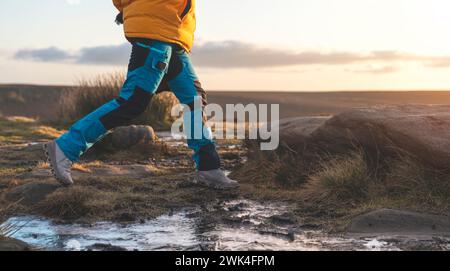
(145, 198)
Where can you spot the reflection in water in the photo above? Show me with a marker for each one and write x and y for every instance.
(181, 232)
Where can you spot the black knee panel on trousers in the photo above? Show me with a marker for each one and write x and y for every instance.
(128, 109)
(138, 57)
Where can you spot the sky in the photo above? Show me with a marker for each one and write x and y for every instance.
(283, 45)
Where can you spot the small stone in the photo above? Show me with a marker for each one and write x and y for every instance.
(105, 247)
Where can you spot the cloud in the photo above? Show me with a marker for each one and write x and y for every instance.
(385, 69)
(105, 55)
(51, 54)
(441, 62)
(234, 54)
(101, 55)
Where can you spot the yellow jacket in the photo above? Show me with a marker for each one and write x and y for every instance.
(164, 20)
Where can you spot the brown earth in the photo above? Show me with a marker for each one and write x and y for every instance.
(117, 190)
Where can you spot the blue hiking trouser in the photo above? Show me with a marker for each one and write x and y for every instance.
(154, 66)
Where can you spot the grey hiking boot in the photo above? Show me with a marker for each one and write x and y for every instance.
(59, 163)
(216, 179)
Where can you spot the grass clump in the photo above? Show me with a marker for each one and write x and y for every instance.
(77, 202)
(341, 185)
(89, 95)
(7, 230)
(398, 182)
(418, 185)
(344, 178)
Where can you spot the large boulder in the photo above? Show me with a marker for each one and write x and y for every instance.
(387, 221)
(294, 131)
(383, 133)
(418, 130)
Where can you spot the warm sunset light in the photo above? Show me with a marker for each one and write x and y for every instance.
(260, 44)
(265, 128)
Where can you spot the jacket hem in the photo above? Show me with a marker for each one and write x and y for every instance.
(157, 37)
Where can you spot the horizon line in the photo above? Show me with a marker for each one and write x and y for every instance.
(254, 90)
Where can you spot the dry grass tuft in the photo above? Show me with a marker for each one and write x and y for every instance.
(89, 95)
(47, 132)
(158, 114)
(8, 230)
(76, 202)
(342, 179)
(81, 168)
(21, 119)
(350, 182)
(419, 185)
(77, 102)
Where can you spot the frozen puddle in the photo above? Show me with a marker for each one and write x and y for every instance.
(164, 233)
(182, 232)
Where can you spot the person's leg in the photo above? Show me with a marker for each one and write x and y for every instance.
(184, 83)
(148, 65)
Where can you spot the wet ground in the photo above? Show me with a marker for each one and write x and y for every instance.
(186, 230)
(249, 226)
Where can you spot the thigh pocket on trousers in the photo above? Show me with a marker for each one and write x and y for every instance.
(158, 60)
(150, 76)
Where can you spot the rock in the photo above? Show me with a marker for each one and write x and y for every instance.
(294, 131)
(420, 130)
(385, 221)
(9, 244)
(288, 235)
(105, 247)
(30, 193)
(128, 136)
(283, 219)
